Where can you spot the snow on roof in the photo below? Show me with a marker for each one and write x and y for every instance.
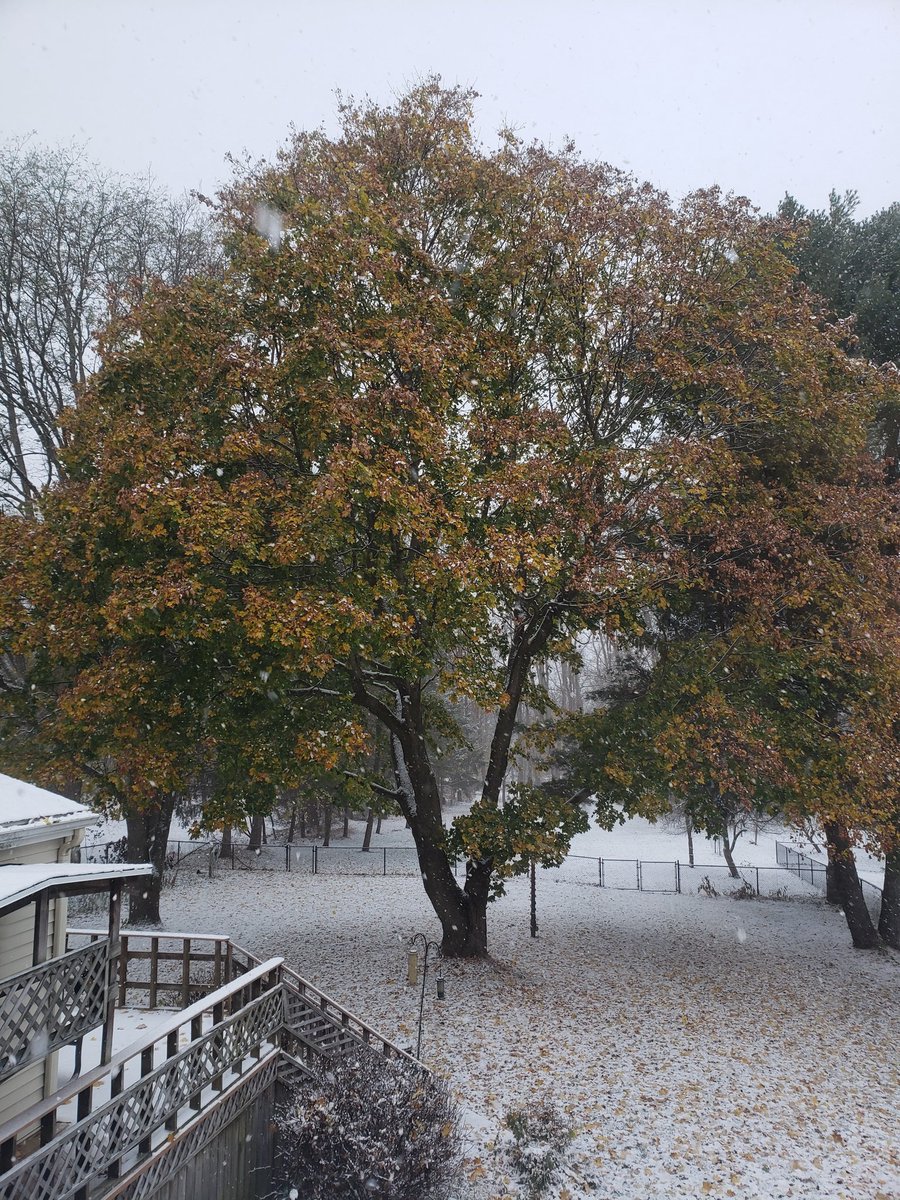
(19, 883)
(24, 808)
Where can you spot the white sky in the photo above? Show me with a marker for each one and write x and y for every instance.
(759, 96)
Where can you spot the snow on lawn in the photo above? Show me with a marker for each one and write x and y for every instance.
(700, 1046)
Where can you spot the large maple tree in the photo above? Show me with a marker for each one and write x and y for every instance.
(421, 434)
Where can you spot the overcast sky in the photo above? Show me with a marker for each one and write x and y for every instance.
(759, 96)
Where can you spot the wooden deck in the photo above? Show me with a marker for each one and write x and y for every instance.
(150, 1115)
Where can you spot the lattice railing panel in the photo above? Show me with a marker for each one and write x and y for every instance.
(78, 1155)
(178, 1151)
(51, 1005)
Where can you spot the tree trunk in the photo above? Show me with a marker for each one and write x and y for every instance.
(257, 832)
(690, 837)
(726, 850)
(378, 824)
(346, 832)
(832, 887)
(859, 922)
(367, 836)
(326, 833)
(889, 918)
(148, 834)
(462, 912)
(292, 827)
(225, 848)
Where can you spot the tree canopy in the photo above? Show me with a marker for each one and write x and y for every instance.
(448, 408)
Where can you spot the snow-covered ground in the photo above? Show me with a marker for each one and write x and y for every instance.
(699, 1046)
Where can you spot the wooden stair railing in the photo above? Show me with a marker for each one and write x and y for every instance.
(319, 1022)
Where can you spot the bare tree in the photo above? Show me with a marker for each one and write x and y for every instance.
(76, 243)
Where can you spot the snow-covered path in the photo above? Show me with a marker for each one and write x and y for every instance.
(702, 1047)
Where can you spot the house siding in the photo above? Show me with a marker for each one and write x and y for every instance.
(39, 1079)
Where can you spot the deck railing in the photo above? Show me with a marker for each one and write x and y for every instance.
(52, 1004)
(159, 969)
(183, 967)
(120, 1130)
(112, 1121)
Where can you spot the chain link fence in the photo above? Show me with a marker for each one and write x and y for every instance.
(621, 874)
(795, 874)
(814, 872)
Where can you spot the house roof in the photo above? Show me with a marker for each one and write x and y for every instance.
(20, 883)
(28, 812)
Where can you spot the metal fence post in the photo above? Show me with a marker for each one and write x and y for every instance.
(757, 881)
(637, 863)
(384, 865)
(600, 866)
(678, 877)
(315, 859)
(287, 856)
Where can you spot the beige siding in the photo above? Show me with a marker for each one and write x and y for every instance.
(26, 1087)
(21, 1090)
(34, 852)
(33, 1082)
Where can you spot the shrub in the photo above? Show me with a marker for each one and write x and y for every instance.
(540, 1136)
(366, 1127)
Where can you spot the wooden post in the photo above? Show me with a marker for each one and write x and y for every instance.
(7, 1154)
(171, 1051)
(41, 928)
(154, 969)
(196, 1027)
(117, 1083)
(115, 919)
(48, 1127)
(146, 1144)
(186, 973)
(123, 969)
(218, 1016)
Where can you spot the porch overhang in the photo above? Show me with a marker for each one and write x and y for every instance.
(22, 883)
